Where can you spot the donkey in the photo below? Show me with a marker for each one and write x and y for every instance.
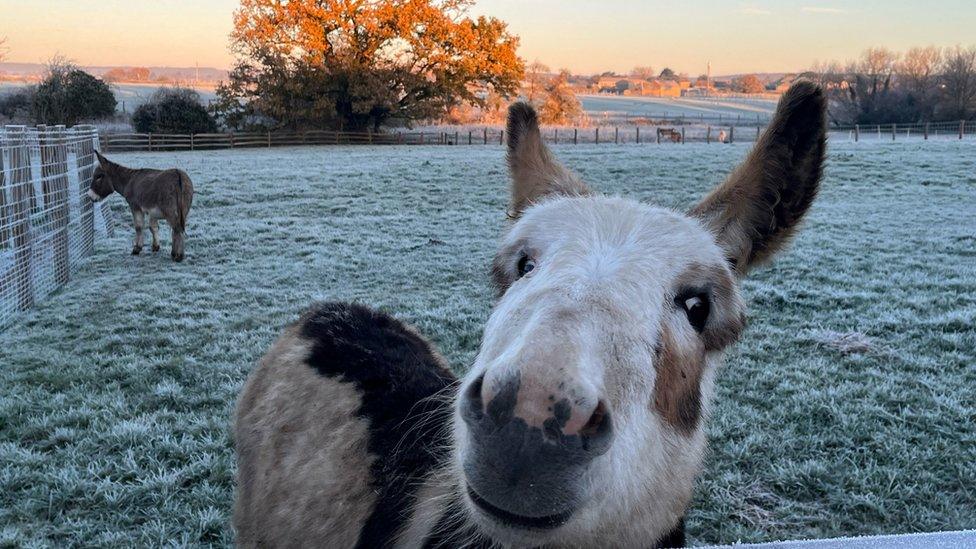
(581, 422)
(156, 194)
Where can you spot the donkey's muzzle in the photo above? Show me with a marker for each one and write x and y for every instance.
(522, 475)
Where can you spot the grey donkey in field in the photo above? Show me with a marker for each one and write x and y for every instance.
(152, 194)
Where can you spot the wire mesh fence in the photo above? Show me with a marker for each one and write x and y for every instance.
(47, 223)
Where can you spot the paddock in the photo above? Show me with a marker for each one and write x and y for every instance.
(846, 409)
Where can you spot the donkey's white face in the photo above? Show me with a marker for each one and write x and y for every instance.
(582, 419)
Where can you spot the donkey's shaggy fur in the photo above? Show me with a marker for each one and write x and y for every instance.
(581, 423)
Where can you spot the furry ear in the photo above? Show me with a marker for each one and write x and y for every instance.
(756, 211)
(104, 162)
(535, 172)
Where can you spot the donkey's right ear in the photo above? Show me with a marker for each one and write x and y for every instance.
(535, 173)
(105, 162)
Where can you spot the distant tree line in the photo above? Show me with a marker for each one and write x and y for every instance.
(919, 85)
(67, 95)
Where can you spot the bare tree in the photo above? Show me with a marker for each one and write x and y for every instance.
(918, 68)
(644, 72)
(536, 78)
(959, 82)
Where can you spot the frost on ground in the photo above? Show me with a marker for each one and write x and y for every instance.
(116, 394)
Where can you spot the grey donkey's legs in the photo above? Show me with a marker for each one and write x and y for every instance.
(178, 237)
(154, 229)
(137, 219)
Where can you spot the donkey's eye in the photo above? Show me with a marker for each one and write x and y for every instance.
(525, 265)
(696, 307)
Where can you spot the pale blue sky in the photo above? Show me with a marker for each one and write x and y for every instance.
(583, 35)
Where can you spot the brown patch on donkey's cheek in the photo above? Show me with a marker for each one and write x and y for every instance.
(677, 391)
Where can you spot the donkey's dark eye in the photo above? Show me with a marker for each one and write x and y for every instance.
(696, 306)
(525, 265)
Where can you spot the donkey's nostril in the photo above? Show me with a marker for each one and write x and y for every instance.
(598, 430)
(472, 408)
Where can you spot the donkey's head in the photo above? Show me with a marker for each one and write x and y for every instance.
(107, 178)
(583, 414)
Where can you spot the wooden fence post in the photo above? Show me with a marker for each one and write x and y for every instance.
(232, 140)
(54, 171)
(501, 137)
(421, 137)
(682, 135)
(638, 135)
(616, 134)
(598, 135)
(456, 140)
(555, 136)
(962, 128)
(893, 132)
(269, 139)
(470, 137)
(658, 136)
(575, 136)
(150, 142)
(20, 229)
(731, 134)
(857, 132)
(926, 131)
(486, 136)
(708, 135)
(879, 132)
(758, 133)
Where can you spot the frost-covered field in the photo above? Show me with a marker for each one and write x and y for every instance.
(664, 107)
(847, 408)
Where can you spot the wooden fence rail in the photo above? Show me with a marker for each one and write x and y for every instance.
(458, 135)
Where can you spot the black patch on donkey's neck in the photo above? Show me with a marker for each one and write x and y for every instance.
(400, 376)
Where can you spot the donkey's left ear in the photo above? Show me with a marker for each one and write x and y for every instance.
(105, 162)
(535, 172)
(755, 212)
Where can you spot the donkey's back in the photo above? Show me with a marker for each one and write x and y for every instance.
(338, 431)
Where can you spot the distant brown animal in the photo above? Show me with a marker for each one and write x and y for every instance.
(156, 194)
(670, 133)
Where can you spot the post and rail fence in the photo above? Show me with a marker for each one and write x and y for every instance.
(47, 223)
(661, 132)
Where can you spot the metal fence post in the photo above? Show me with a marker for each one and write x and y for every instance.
(962, 128)
(20, 183)
(54, 170)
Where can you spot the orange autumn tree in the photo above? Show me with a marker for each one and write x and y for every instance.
(357, 64)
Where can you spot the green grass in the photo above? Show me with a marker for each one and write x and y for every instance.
(116, 394)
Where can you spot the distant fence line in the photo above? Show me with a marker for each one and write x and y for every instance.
(47, 223)
(671, 132)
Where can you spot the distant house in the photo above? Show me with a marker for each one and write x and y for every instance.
(609, 84)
